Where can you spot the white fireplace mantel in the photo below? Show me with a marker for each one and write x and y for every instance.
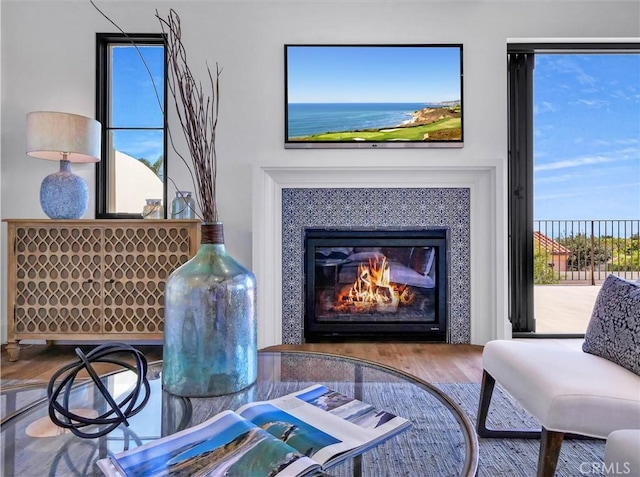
(488, 242)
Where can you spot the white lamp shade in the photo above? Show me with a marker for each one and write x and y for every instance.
(51, 133)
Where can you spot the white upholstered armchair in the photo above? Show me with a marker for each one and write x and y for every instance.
(572, 393)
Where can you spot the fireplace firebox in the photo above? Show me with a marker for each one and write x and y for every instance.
(375, 284)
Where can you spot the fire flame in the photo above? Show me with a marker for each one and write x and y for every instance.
(373, 289)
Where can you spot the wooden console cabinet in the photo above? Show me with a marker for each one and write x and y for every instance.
(91, 280)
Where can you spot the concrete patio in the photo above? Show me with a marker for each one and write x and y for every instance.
(564, 308)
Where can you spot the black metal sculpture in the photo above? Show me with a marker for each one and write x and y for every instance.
(61, 385)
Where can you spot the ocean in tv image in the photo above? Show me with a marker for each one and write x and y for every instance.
(307, 119)
(381, 93)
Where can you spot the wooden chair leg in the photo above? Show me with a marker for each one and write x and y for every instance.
(550, 444)
(486, 391)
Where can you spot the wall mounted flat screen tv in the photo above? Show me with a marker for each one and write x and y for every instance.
(373, 96)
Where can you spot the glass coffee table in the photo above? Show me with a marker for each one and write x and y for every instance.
(440, 442)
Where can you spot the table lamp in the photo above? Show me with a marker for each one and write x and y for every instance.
(66, 138)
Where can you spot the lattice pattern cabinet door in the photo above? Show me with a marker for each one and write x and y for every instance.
(91, 279)
(138, 261)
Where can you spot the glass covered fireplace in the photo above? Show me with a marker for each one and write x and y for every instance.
(375, 284)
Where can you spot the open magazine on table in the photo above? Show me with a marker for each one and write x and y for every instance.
(292, 435)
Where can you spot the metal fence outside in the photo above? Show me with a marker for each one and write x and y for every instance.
(585, 251)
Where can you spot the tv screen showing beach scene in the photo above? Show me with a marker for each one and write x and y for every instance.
(373, 96)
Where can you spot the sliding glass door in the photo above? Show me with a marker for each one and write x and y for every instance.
(574, 171)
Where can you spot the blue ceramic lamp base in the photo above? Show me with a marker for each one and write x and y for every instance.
(64, 195)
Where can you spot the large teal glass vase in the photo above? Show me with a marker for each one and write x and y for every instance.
(210, 325)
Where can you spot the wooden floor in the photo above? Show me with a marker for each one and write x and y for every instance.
(429, 361)
(432, 362)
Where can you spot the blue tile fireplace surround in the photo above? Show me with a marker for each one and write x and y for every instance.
(384, 208)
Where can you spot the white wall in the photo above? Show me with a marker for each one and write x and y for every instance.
(48, 62)
(3, 252)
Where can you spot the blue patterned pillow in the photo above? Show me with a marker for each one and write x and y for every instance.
(614, 330)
